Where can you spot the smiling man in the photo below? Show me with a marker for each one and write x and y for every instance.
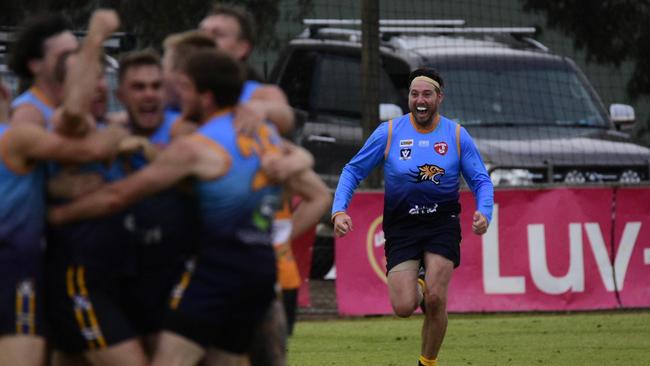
(34, 57)
(423, 155)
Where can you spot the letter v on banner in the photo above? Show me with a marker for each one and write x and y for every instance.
(493, 282)
(622, 258)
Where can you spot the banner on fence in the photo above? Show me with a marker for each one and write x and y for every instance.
(549, 250)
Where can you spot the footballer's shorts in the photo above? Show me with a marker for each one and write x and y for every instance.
(223, 296)
(164, 237)
(21, 300)
(441, 235)
(89, 266)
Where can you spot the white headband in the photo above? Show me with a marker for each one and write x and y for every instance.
(426, 79)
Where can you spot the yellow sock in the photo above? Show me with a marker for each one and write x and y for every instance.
(428, 362)
(421, 286)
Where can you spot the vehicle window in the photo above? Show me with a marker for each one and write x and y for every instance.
(337, 86)
(484, 91)
(297, 78)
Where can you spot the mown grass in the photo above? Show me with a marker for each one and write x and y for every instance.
(598, 338)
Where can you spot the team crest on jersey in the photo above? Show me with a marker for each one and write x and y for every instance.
(404, 154)
(427, 173)
(406, 143)
(441, 147)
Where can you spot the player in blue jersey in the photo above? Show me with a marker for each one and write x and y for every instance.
(165, 223)
(225, 293)
(233, 30)
(88, 261)
(423, 155)
(22, 215)
(33, 57)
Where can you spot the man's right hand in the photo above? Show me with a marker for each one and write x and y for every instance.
(5, 103)
(342, 224)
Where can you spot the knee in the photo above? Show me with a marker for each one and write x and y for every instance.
(404, 309)
(436, 300)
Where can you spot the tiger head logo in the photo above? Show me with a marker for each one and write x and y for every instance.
(428, 173)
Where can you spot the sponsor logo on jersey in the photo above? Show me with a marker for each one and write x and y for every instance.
(427, 173)
(423, 210)
(441, 147)
(423, 143)
(406, 143)
(404, 154)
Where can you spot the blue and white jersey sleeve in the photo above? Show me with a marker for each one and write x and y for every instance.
(476, 175)
(370, 155)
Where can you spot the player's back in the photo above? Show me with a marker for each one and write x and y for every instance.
(238, 206)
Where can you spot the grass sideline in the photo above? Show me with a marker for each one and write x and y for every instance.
(575, 339)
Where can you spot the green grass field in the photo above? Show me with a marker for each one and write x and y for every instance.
(599, 338)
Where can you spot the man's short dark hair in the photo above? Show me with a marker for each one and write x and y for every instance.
(428, 72)
(217, 72)
(30, 41)
(147, 57)
(243, 17)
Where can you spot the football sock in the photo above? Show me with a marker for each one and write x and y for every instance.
(428, 362)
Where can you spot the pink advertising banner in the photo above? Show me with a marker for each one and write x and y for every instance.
(632, 247)
(546, 249)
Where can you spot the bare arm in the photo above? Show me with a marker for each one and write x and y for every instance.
(276, 107)
(183, 158)
(316, 201)
(268, 102)
(81, 80)
(5, 99)
(293, 160)
(29, 142)
(178, 161)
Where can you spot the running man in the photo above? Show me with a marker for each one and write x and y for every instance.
(423, 155)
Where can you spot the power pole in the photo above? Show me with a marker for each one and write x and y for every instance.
(370, 75)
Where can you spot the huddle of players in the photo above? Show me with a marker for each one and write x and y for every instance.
(161, 218)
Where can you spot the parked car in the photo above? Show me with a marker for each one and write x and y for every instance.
(532, 113)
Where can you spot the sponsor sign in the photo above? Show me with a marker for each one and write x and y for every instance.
(548, 250)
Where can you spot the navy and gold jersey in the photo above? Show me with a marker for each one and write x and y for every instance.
(421, 170)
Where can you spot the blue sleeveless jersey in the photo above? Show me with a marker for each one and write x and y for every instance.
(164, 224)
(22, 212)
(161, 137)
(32, 96)
(101, 242)
(238, 206)
(249, 88)
(421, 171)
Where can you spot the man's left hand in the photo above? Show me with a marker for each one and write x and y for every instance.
(248, 119)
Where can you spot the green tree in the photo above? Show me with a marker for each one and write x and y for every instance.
(610, 32)
(151, 21)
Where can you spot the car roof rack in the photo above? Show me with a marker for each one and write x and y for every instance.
(391, 22)
(393, 27)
